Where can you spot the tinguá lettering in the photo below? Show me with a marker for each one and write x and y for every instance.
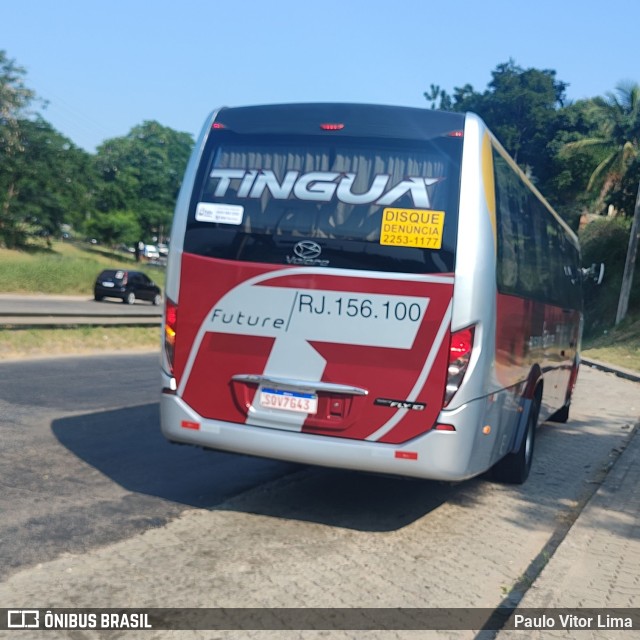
(319, 186)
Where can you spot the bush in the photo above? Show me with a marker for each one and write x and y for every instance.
(606, 240)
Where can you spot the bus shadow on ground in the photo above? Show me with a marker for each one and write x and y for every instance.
(126, 446)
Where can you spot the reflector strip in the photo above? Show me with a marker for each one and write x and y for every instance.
(407, 455)
(187, 424)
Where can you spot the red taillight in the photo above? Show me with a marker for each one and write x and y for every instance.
(170, 327)
(461, 344)
(459, 356)
(332, 126)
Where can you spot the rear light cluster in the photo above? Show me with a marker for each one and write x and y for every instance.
(170, 326)
(459, 357)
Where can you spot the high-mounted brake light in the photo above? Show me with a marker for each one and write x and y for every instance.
(170, 328)
(218, 125)
(332, 126)
(456, 134)
(460, 349)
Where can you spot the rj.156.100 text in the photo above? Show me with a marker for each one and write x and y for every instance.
(356, 307)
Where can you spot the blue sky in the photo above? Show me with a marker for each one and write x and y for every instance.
(106, 66)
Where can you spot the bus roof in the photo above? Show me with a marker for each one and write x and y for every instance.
(357, 119)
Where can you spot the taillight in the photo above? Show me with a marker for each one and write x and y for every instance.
(170, 326)
(459, 356)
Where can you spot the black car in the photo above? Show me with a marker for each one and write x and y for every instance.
(126, 285)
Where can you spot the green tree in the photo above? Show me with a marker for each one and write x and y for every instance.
(45, 183)
(624, 197)
(142, 172)
(619, 141)
(520, 106)
(114, 227)
(438, 96)
(562, 179)
(15, 97)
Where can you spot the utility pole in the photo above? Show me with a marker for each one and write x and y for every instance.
(630, 263)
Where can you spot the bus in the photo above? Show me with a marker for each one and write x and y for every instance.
(367, 287)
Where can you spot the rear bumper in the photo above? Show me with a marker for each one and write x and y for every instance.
(109, 292)
(437, 455)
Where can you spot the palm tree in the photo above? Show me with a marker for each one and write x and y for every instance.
(619, 141)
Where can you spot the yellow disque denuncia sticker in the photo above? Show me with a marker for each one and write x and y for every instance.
(421, 228)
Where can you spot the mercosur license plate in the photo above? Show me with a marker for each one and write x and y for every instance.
(289, 400)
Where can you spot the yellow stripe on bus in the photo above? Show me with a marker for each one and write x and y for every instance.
(489, 184)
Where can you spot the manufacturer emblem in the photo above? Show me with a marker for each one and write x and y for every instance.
(307, 249)
(400, 404)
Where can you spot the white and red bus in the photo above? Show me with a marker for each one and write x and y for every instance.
(366, 287)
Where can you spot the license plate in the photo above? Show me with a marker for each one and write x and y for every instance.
(289, 401)
(107, 284)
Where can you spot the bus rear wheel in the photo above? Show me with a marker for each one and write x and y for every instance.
(514, 468)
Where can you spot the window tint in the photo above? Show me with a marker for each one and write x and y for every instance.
(535, 256)
(367, 203)
(112, 275)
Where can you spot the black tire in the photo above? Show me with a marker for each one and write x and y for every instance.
(514, 468)
(97, 298)
(129, 298)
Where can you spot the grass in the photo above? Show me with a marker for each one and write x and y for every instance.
(69, 269)
(66, 268)
(619, 346)
(31, 343)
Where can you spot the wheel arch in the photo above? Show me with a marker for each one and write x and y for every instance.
(530, 400)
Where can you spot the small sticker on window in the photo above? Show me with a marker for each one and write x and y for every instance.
(221, 213)
(420, 228)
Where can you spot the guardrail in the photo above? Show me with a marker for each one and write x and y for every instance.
(45, 321)
(627, 374)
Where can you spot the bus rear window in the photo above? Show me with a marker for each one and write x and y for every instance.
(375, 204)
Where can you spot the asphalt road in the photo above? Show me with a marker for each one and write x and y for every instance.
(83, 462)
(98, 510)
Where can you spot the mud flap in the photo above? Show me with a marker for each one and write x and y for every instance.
(525, 404)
